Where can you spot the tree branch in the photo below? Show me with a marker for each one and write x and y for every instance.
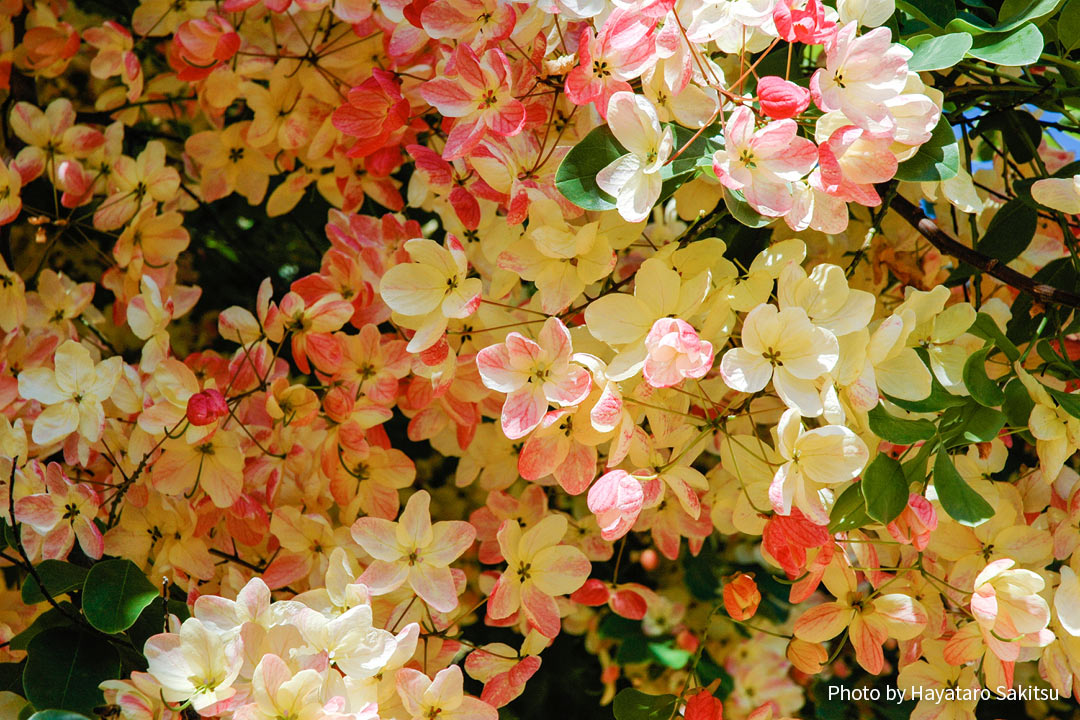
(995, 268)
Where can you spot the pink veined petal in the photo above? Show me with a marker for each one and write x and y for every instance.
(505, 598)
(448, 96)
(473, 709)
(493, 362)
(90, 538)
(542, 453)
(509, 119)
(382, 577)
(772, 199)
(823, 622)
(541, 610)
(286, 568)
(867, 639)
(378, 537)
(434, 585)
(446, 689)
(411, 686)
(570, 389)
(555, 340)
(450, 539)
(38, 511)
(578, 469)
(523, 411)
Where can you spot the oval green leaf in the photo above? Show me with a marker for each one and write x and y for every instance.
(576, 176)
(897, 430)
(963, 504)
(849, 511)
(59, 577)
(1017, 47)
(937, 53)
(114, 594)
(64, 667)
(984, 390)
(884, 488)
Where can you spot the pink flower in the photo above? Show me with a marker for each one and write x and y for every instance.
(532, 374)
(476, 91)
(200, 45)
(206, 407)
(807, 26)
(59, 516)
(676, 352)
(914, 525)
(622, 51)
(616, 499)
(860, 75)
(851, 161)
(762, 163)
(781, 99)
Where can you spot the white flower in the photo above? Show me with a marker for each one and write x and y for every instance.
(634, 179)
(815, 459)
(196, 664)
(784, 346)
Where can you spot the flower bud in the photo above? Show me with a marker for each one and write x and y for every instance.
(206, 407)
(741, 597)
(781, 99)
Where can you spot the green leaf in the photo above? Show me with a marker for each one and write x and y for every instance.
(11, 677)
(973, 424)
(936, 12)
(59, 577)
(884, 488)
(57, 715)
(897, 430)
(982, 388)
(849, 511)
(114, 594)
(1068, 26)
(1018, 403)
(1069, 402)
(669, 655)
(1018, 47)
(741, 210)
(1010, 232)
(963, 504)
(938, 159)
(631, 704)
(937, 53)
(64, 667)
(938, 399)
(985, 328)
(1032, 11)
(576, 176)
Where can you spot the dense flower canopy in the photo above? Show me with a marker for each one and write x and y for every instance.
(431, 359)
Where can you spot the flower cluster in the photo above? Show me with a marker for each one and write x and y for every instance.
(553, 365)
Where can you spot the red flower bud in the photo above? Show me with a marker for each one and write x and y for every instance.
(741, 597)
(206, 407)
(780, 98)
